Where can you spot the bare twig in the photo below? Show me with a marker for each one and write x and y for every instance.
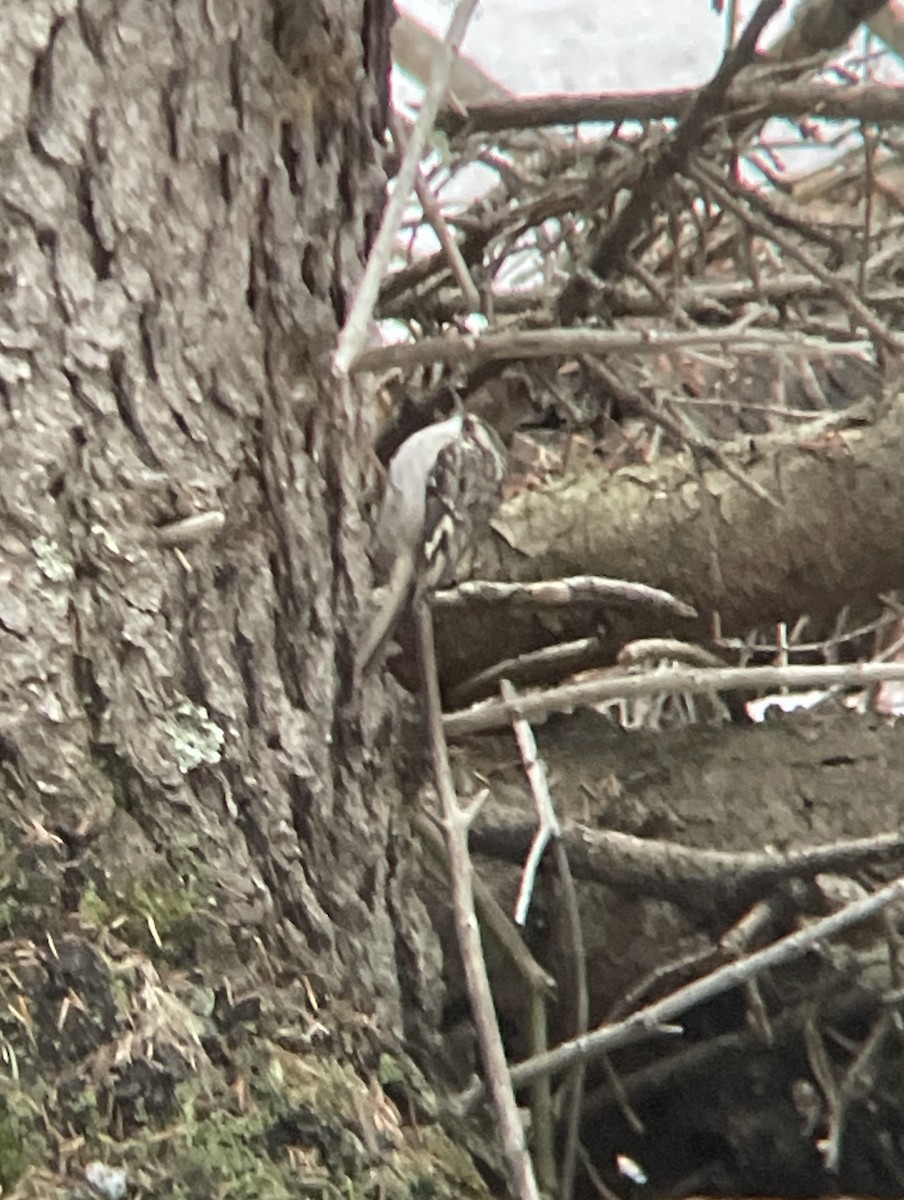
(354, 333)
(844, 292)
(414, 49)
(548, 829)
(645, 650)
(697, 880)
(681, 429)
(456, 823)
(560, 660)
(699, 1057)
(853, 1086)
(472, 351)
(440, 226)
(493, 918)
(541, 1107)
(618, 238)
(820, 26)
(570, 590)
(757, 100)
(581, 1019)
(701, 299)
(547, 822)
(652, 1020)
(495, 714)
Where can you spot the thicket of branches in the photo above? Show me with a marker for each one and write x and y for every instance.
(670, 294)
(705, 267)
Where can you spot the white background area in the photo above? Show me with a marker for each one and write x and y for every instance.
(535, 46)
(538, 46)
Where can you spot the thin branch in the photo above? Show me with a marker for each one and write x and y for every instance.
(547, 829)
(547, 821)
(698, 1058)
(821, 26)
(858, 1077)
(616, 685)
(758, 101)
(646, 650)
(654, 1019)
(844, 292)
(681, 428)
(354, 333)
(699, 881)
(440, 226)
(493, 918)
(616, 242)
(568, 591)
(414, 50)
(699, 299)
(548, 662)
(472, 351)
(581, 1018)
(456, 829)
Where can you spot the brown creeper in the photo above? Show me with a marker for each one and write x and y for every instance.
(442, 487)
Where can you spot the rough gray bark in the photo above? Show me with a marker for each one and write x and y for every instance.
(186, 195)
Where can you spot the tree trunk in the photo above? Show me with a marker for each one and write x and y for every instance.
(188, 190)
